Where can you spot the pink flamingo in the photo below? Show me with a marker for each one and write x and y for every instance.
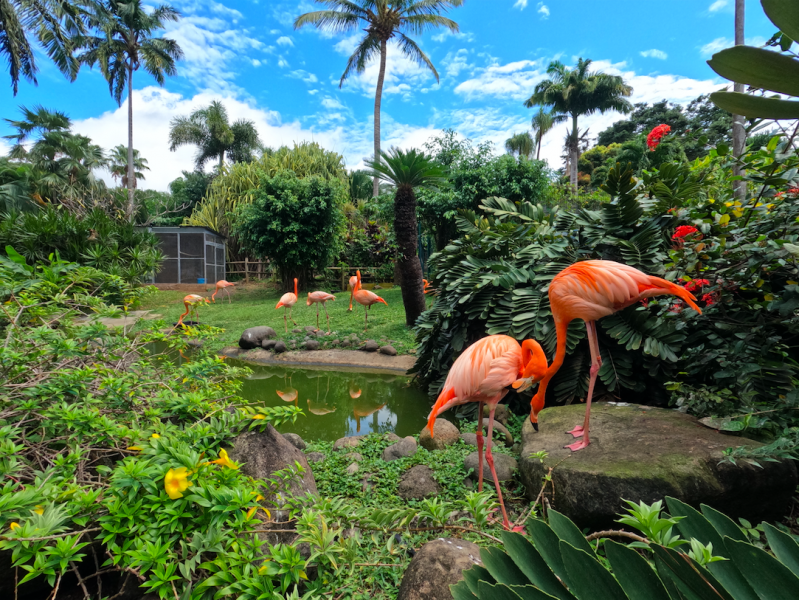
(288, 300)
(353, 282)
(590, 290)
(365, 298)
(320, 298)
(222, 285)
(482, 374)
(192, 303)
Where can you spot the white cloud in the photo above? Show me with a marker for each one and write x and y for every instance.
(718, 5)
(654, 53)
(721, 43)
(303, 75)
(332, 103)
(284, 40)
(348, 44)
(282, 63)
(543, 10)
(456, 62)
(513, 81)
(466, 36)
(520, 4)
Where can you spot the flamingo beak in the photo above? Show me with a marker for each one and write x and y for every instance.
(522, 384)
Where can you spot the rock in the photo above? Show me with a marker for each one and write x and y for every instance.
(306, 338)
(417, 483)
(295, 440)
(268, 344)
(470, 439)
(501, 414)
(335, 343)
(280, 346)
(297, 330)
(436, 566)
(405, 447)
(354, 456)
(640, 453)
(347, 442)
(445, 433)
(315, 457)
(393, 437)
(310, 328)
(194, 343)
(353, 469)
(498, 428)
(377, 287)
(346, 344)
(311, 345)
(387, 350)
(370, 346)
(503, 464)
(252, 337)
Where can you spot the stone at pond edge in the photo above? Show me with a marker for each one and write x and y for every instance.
(404, 448)
(503, 464)
(470, 439)
(347, 442)
(252, 337)
(346, 344)
(295, 440)
(445, 434)
(311, 345)
(268, 344)
(297, 330)
(436, 566)
(280, 347)
(370, 346)
(501, 414)
(500, 429)
(388, 350)
(417, 483)
(315, 457)
(644, 454)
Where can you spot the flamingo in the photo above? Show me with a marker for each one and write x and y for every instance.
(288, 300)
(364, 412)
(355, 392)
(192, 302)
(482, 374)
(366, 299)
(290, 395)
(353, 282)
(590, 290)
(222, 285)
(320, 298)
(321, 408)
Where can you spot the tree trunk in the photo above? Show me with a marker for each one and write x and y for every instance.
(378, 99)
(738, 122)
(221, 161)
(538, 151)
(131, 175)
(405, 230)
(574, 151)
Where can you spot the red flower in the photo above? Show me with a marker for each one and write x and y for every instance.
(710, 299)
(683, 231)
(695, 284)
(654, 137)
(794, 191)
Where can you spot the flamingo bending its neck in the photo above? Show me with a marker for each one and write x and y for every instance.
(353, 282)
(320, 298)
(192, 303)
(366, 298)
(590, 290)
(287, 301)
(482, 374)
(222, 285)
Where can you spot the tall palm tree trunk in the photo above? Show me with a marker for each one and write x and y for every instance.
(574, 151)
(131, 176)
(405, 230)
(378, 99)
(538, 147)
(738, 123)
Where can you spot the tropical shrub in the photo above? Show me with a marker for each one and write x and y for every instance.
(295, 223)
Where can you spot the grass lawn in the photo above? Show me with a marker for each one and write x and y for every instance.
(254, 304)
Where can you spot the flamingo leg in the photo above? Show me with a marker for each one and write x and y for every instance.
(366, 317)
(596, 363)
(229, 301)
(480, 447)
(290, 317)
(285, 321)
(324, 305)
(317, 316)
(490, 461)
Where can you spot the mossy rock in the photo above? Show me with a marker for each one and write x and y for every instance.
(641, 453)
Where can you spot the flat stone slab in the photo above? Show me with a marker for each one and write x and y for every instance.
(641, 453)
(128, 320)
(345, 359)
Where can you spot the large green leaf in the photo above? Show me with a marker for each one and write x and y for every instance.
(759, 68)
(636, 577)
(692, 580)
(528, 592)
(755, 107)
(771, 579)
(496, 592)
(475, 575)
(785, 15)
(461, 591)
(722, 523)
(548, 544)
(784, 547)
(566, 530)
(530, 562)
(502, 567)
(590, 580)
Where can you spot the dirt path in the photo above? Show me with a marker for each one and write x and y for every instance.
(350, 360)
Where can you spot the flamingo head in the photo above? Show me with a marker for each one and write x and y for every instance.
(534, 365)
(308, 301)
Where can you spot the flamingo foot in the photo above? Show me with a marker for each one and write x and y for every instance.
(577, 431)
(577, 445)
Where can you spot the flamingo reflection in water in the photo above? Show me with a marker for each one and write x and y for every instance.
(290, 395)
(320, 408)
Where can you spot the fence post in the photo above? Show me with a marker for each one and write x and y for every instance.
(343, 280)
(246, 269)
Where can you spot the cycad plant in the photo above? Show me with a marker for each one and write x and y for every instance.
(407, 171)
(382, 20)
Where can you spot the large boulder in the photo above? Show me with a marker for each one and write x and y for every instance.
(436, 566)
(417, 483)
(402, 449)
(504, 465)
(252, 337)
(445, 434)
(641, 453)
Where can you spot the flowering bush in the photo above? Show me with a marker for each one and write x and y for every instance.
(657, 134)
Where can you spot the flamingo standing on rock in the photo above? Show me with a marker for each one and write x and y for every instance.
(590, 290)
(366, 298)
(223, 285)
(288, 300)
(192, 303)
(482, 374)
(320, 298)
(353, 282)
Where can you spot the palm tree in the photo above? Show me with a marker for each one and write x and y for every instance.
(127, 43)
(407, 171)
(578, 92)
(521, 144)
(56, 25)
(543, 121)
(209, 129)
(118, 164)
(383, 20)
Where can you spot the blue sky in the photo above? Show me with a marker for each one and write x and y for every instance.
(246, 53)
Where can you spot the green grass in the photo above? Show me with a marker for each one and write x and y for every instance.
(254, 305)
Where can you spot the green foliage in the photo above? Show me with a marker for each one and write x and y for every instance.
(558, 562)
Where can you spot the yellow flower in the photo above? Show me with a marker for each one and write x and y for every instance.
(728, 204)
(39, 509)
(724, 219)
(176, 482)
(251, 512)
(738, 212)
(224, 460)
(155, 436)
(711, 201)
(258, 416)
(136, 448)
(14, 526)
(768, 297)
(759, 283)
(791, 282)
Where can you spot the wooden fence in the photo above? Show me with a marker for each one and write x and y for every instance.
(260, 269)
